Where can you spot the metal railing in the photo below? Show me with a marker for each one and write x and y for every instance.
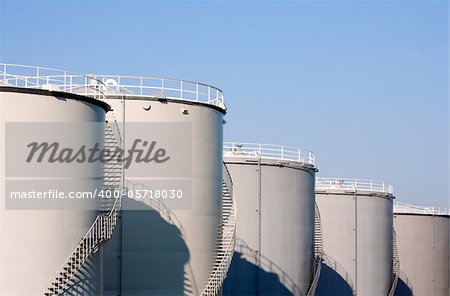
(228, 238)
(400, 207)
(395, 265)
(359, 184)
(161, 87)
(51, 79)
(101, 85)
(100, 231)
(318, 253)
(278, 152)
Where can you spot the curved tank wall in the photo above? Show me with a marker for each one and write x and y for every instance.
(357, 231)
(150, 255)
(275, 203)
(35, 243)
(423, 247)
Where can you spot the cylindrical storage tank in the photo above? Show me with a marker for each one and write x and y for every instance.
(273, 187)
(356, 217)
(168, 251)
(423, 246)
(36, 241)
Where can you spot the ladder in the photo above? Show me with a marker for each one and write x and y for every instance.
(102, 228)
(318, 253)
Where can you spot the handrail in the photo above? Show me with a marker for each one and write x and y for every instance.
(359, 184)
(400, 207)
(228, 239)
(51, 79)
(269, 151)
(318, 252)
(101, 230)
(395, 265)
(101, 86)
(161, 87)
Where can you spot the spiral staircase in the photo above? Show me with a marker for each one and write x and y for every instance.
(395, 265)
(103, 227)
(318, 253)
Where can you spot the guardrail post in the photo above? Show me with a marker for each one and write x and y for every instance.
(181, 91)
(196, 92)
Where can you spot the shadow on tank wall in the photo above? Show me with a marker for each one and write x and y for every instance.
(332, 283)
(246, 278)
(403, 289)
(153, 256)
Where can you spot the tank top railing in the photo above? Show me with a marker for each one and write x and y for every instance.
(400, 207)
(51, 79)
(100, 85)
(161, 87)
(359, 184)
(268, 151)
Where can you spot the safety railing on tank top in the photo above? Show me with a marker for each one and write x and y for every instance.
(400, 207)
(161, 87)
(51, 79)
(268, 151)
(359, 184)
(101, 85)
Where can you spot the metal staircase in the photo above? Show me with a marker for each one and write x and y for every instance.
(228, 237)
(318, 253)
(102, 228)
(395, 265)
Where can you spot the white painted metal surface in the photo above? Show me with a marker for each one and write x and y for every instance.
(36, 242)
(423, 240)
(275, 223)
(188, 258)
(357, 227)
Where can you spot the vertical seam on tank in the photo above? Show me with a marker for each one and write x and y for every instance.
(356, 241)
(259, 224)
(123, 182)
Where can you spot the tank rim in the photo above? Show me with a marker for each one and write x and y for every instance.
(52, 93)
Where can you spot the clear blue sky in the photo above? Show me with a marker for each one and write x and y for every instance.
(364, 84)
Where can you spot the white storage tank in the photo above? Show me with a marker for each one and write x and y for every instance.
(357, 234)
(37, 241)
(274, 191)
(169, 251)
(423, 246)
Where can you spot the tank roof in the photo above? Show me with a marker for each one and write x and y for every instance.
(404, 208)
(354, 184)
(110, 86)
(268, 151)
